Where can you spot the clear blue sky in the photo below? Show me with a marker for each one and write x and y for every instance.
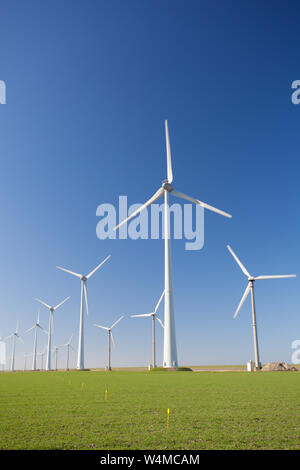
(89, 85)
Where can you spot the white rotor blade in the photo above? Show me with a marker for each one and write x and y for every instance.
(58, 305)
(242, 300)
(159, 321)
(39, 326)
(112, 338)
(158, 303)
(7, 337)
(202, 204)
(99, 326)
(86, 299)
(43, 303)
(238, 262)
(142, 315)
(38, 318)
(154, 198)
(116, 322)
(97, 267)
(275, 277)
(70, 272)
(19, 337)
(69, 342)
(169, 160)
(29, 329)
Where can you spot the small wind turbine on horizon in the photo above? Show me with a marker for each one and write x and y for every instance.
(51, 311)
(14, 336)
(55, 352)
(36, 326)
(170, 349)
(68, 345)
(80, 357)
(154, 316)
(110, 337)
(250, 288)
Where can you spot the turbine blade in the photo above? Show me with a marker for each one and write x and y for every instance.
(202, 204)
(116, 322)
(158, 303)
(97, 267)
(70, 272)
(29, 329)
(238, 262)
(99, 326)
(242, 300)
(112, 338)
(169, 159)
(69, 342)
(142, 315)
(58, 305)
(38, 318)
(154, 198)
(86, 299)
(275, 277)
(43, 303)
(21, 339)
(159, 321)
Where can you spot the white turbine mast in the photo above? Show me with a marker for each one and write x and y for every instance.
(51, 311)
(110, 337)
(14, 336)
(36, 326)
(250, 288)
(170, 349)
(83, 299)
(68, 346)
(154, 316)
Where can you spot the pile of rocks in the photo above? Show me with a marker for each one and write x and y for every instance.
(277, 366)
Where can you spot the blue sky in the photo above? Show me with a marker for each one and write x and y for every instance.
(89, 85)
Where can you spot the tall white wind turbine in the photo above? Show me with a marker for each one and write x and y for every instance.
(68, 346)
(170, 349)
(36, 326)
(80, 357)
(51, 311)
(250, 288)
(110, 337)
(14, 336)
(154, 316)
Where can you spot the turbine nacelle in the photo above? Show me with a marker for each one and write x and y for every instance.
(167, 186)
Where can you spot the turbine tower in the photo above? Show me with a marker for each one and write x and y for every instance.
(110, 337)
(36, 326)
(80, 357)
(250, 288)
(170, 348)
(51, 311)
(68, 345)
(154, 316)
(14, 336)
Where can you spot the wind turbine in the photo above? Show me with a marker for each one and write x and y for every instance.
(42, 354)
(36, 326)
(170, 348)
(55, 351)
(68, 345)
(25, 360)
(250, 288)
(14, 336)
(153, 315)
(51, 311)
(110, 336)
(80, 357)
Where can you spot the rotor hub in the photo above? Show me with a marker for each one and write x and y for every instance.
(167, 186)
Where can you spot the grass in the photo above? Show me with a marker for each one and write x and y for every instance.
(232, 410)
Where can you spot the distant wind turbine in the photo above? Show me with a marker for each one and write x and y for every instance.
(110, 336)
(80, 357)
(68, 345)
(170, 348)
(36, 326)
(250, 288)
(154, 316)
(14, 336)
(51, 311)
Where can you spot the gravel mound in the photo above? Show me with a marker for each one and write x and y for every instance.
(277, 366)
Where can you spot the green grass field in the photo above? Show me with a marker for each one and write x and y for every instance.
(208, 410)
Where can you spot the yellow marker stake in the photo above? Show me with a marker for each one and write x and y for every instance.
(106, 394)
(168, 418)
(82, 386)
